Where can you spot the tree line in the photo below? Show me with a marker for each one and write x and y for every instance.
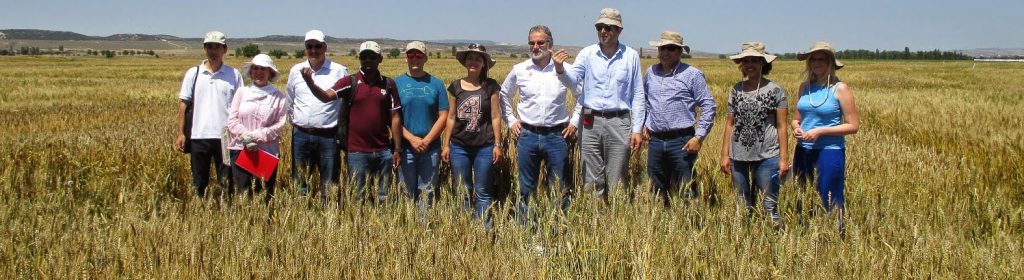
(894, 55)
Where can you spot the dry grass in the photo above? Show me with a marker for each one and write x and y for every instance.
(90, 188)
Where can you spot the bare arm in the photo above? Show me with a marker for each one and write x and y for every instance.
(726, 161)
(851, 118)
(439, 125)
(324, 95)
(496, 126)
(179, 141)
(449, 127)
(782, 131)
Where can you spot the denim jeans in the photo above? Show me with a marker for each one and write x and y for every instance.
(830, 165)
(204, 153)
(246, 183)
(311, 151)
(532, 148)
(764, 174)
(364, 168)
(419, 175)
(670, 167)
(473, 169)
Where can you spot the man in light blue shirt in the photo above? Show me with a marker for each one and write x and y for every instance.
(612, 95)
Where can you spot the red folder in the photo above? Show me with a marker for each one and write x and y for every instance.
(260, 163)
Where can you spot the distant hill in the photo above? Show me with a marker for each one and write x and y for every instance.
(994, 52)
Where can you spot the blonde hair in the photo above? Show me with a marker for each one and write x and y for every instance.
(831, 77)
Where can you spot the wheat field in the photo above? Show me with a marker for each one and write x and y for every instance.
(91, 188)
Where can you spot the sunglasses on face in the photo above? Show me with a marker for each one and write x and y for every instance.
(415, 55)
(671, 48)
(537, 43)
(605, 27)
(367, 56)
(314, 46)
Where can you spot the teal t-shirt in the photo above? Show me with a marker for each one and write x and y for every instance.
(422, 99)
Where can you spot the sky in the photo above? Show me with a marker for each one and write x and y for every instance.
(712, 26)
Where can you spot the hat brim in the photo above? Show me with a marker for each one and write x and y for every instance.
(836, 63)
(767, 57)
(248, 66)
(461, 57)
(686, 49)
(608, 21)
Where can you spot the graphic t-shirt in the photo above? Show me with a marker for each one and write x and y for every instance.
(422, 99)
(473, 114)
(754, 135)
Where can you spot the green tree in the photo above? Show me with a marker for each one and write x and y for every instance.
(277, 53)
(300, 53)
(238, 52)
(60, 48)
(250, 50)
(394, 53)
(352, 52)
(454, 50)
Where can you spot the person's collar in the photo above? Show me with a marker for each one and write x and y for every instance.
(202, 65)
(551, 63)
(362, 76)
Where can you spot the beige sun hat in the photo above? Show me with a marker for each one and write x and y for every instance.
(752, 49)
(824, 47)
(671, 38)
(477, 48)
(610, 16)
(262, 60)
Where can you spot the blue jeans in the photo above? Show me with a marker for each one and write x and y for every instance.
(670, 167)
(831, 173)
(531, 148)
(311, 151)
(473, 170)
(765, 175)
(363, 168)
(419, 175)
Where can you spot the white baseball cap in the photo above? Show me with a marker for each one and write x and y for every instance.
(215, 37)
(316, 35)
(416, 45)
(370, 46)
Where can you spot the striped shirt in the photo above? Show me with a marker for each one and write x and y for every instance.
(672, 99)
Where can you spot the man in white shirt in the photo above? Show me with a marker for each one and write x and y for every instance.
(208, 89)
(543, 127)
(314, 123)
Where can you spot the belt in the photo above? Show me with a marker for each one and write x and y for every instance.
(609, 113)
(317, 131)
(544, 129)
(674, 133)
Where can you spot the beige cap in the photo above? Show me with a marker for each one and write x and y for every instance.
(215, 37)
(416, 45)
(316, 35)
(610, 16)
(670, 38)
(370, 46)
(824, 47)
(752, 49)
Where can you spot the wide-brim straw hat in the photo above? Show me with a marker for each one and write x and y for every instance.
(262, 60)
(670, 38)
(753, 49)
(477, 48)
(821, 47)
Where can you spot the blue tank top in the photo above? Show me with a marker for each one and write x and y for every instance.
(819, 107)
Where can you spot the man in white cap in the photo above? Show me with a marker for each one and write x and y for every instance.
(206, 93)
(610, 84)
(374, 142)
(543, 127)
(424, 116)
(314, 122)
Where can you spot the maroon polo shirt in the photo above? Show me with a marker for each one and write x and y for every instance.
(370, 114)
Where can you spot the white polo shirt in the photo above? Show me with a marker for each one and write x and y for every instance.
(306, 110)
(212, 99)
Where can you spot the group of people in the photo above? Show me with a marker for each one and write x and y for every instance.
(413, 122)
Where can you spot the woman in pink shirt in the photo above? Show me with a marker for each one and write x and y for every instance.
(255, 121)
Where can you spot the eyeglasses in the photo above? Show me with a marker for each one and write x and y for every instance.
(605, 27)
(537, 43)
(671, 48)
(415, 55)
(367, 56)
(314, 46)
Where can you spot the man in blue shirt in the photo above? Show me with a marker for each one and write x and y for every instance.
(674, 90)
(607, 76)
